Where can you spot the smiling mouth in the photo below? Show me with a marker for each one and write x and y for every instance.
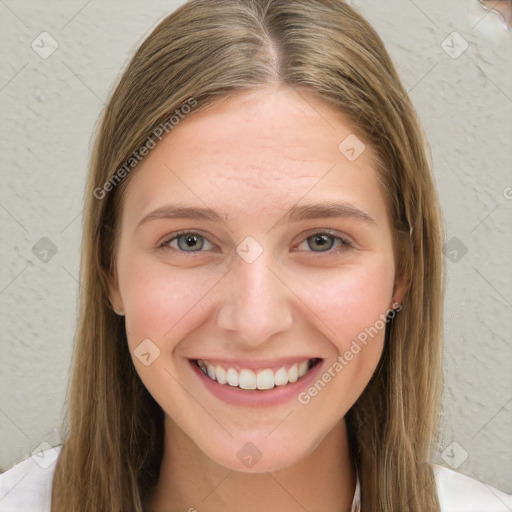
(263, 379)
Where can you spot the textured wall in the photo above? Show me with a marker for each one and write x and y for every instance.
(50, 105)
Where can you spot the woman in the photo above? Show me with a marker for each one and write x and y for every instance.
(262, 280)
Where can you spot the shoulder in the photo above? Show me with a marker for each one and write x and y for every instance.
(27, 486)
(461, 493)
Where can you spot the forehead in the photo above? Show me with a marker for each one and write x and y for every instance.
(264, 122)
(256, 150)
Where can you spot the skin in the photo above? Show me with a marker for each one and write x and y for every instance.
(252, 157)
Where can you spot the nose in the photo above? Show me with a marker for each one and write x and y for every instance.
(256, 304)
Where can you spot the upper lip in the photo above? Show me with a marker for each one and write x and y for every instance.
(253, 364)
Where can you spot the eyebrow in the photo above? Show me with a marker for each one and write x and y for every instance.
(296, 213)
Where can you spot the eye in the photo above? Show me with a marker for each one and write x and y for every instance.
(186, 241)
(192, 242)
(325, 241)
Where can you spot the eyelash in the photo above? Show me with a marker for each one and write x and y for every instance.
(345, 243)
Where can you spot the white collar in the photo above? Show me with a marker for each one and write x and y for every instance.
(356, 502)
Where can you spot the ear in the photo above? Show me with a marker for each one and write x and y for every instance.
(114, 293)
(398, 291)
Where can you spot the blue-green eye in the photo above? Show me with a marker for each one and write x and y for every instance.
(187, 241)
(324, 242)
(191, 242)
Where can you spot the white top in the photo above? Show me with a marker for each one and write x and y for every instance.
(27, 486)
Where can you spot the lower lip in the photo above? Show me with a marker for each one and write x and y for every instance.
(254, 397)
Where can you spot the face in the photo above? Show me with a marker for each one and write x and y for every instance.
(256, 328)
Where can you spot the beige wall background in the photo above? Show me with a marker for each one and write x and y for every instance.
(59, 62)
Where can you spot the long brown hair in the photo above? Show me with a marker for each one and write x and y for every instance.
(205, 50)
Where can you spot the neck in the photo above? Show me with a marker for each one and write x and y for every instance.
(190, 481)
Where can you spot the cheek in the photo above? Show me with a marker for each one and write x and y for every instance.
(352, 301)
(353, 305)
(157, 298)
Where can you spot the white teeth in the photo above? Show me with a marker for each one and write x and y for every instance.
(248, 379)
(211, 371)
(265, 379)
(281, 377)
(293, 373)
(220, 373)
(232, 377)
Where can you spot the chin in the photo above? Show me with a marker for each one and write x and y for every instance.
(262, 455)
